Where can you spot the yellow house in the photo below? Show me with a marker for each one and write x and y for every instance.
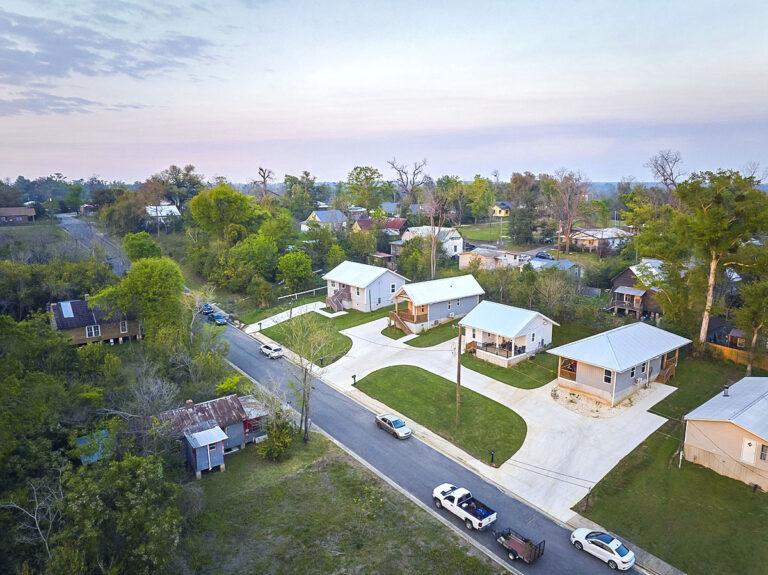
(501, 209)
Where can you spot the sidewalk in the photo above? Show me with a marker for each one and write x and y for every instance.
(283, 316)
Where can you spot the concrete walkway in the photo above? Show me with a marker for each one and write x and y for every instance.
(564, 454)
(283, 316)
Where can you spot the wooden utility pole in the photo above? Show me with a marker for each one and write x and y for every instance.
(458, 380)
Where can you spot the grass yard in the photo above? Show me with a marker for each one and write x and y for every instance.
(317, 512)
(436, 335)
(251, 315)
(488, 232)
(693, 518)
(340, 344)
(392, 332)
(428, 399)
(536, 371)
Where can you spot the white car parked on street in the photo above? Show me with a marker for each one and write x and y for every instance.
(394, 425)
(605, 547)
(272, 351)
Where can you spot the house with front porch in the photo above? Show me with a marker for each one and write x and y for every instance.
(612, 365)
(423, 305)
(633, 291)
(505, 335)
(353, 285)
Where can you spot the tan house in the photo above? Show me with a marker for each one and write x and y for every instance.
(17, 215)
(84, 324)
(729, 433)
(491, 259)
(612, 365)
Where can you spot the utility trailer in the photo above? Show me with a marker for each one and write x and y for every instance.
(519, 547)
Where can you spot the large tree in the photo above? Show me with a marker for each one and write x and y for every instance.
(752, 316)
(181, 184)
(409, 179)
(221, 209)
(366, 187)
(153, 290)
(719, 213)
(565, 194)
(481, 197)
(294, 269)
(140, 245)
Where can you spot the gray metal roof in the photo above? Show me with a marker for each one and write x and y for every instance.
(745, 406)
(330, 216)
(501, 319)
(629, 290)
(423, 293)
(206, 436)
(622, 348)
(222, 411)
(542, 263)
(357, 274)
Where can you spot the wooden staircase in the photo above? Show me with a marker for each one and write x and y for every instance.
(399, 323)
(336, 301)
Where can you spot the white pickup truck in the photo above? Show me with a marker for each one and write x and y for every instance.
(459, 501)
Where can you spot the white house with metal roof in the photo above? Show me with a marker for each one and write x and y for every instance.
(612, 365)
(332, 219)
(729, 433)
(420, 306)
(352, 285)
(450, 239)
(505, 335)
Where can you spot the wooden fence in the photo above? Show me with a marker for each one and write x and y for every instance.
(740, 356)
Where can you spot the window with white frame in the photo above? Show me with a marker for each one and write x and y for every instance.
(458, 303)
(212, 447)
(333, 284)
(533, 337)
(392, 288)
(474, 336)
(608, 376)
(357, 291)
(643, 367)
(632, 371)
(92, 331)
(764, 452)
(123, 326)
(449, 304)
(455, 249)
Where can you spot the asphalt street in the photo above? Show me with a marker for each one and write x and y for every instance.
(414, 465)
(85, 233)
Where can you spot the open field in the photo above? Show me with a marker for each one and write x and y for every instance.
(691, 517)
(341, 344)
(429, 399)
(316, 512)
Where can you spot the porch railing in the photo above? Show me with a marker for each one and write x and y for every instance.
(616, 302)
(502, 351)
(567, 374)
(411, 317)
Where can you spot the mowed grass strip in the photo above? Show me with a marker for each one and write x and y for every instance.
(528, 374)
(340, 344)
(436, 335)
(429, 400)
(692, 517)
(316, 512)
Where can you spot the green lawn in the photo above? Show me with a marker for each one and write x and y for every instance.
(429, 400)
(436, 335)
(485, 232)
(392, 332)
(536, 371)
(340, 344)
(295, 517)
(693, 518)
(249, 315)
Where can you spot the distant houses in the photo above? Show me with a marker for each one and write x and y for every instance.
(612, 365)
(423, 305)
(505, 335)
(600, 239)
(491, 259)
(633, 291)
(162, 213)
(571, 268)
(335, 220)
(362, 287)
(450, 239)
(85, 324)
(729, 433)
(17, 215)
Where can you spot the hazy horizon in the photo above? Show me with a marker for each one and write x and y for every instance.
(123, 89)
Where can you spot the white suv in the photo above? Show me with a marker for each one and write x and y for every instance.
(272, 351)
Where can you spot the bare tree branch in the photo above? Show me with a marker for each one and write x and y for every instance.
(409, 179)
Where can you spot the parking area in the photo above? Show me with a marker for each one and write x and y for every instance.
(566, 451)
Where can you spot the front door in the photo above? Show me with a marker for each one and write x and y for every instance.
(748, 451)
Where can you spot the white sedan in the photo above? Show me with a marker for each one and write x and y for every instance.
(605, 547)
(271, 350)
(394, 425)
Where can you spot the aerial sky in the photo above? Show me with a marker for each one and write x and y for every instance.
(123, 89)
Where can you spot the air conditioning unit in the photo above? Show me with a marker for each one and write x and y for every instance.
(451, 315)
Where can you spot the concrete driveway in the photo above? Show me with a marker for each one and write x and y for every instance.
(565, 453)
